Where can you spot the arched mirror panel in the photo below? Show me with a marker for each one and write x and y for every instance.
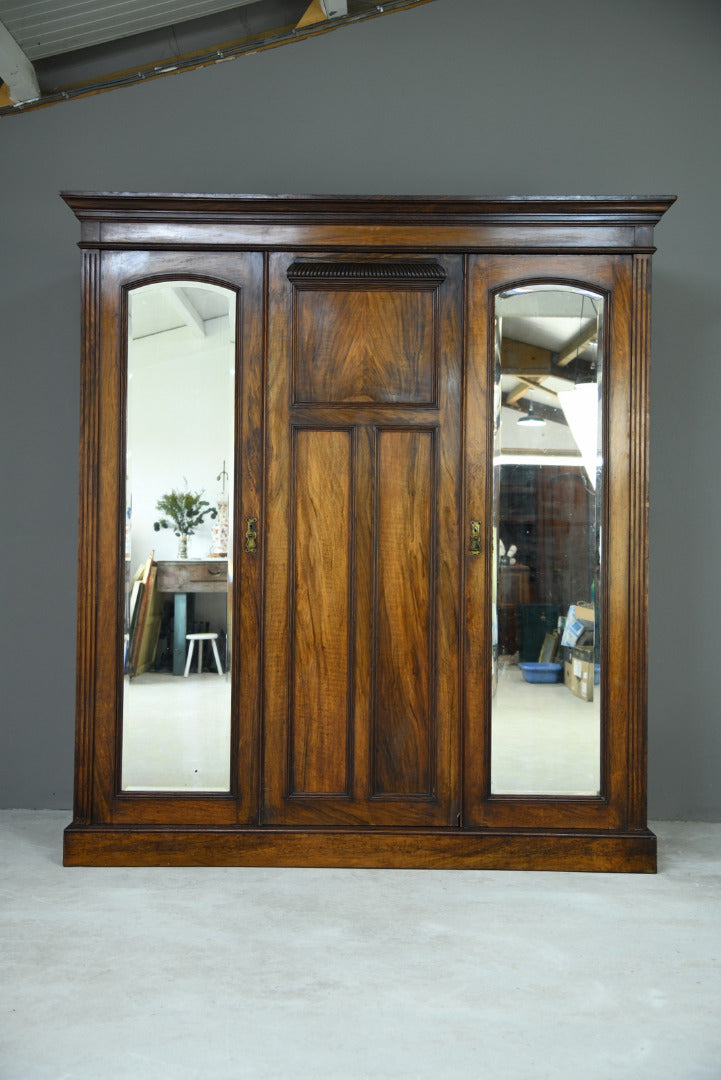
(547, 540)
(179, 439)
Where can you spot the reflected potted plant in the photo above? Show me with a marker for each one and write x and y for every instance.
(183, 512)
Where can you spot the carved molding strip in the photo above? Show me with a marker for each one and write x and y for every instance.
(88, 537)
(638, 596)
(361, 273)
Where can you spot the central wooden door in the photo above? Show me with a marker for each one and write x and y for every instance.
(362, 542)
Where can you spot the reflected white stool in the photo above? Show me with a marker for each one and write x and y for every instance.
(200, 638)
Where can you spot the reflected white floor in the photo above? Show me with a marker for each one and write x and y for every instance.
(176, 736)
(545, 741)
(176, 733)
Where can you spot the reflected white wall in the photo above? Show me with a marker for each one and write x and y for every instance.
(179, 389)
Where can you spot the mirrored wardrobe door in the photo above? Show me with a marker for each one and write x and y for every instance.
(547, 540)
(179, 490)
(540, 342)
(183, 366)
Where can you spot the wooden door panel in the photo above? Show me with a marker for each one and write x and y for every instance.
(320, 643)
(403, 706)
(376, 345)
(362, 669)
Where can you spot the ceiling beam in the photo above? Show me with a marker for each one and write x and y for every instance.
(72, 81)
(319, 10)
(187, 311)
(16, 71)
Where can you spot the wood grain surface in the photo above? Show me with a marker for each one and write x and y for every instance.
(361, 626)
(365, 345)
(404, 646)
(322, 463)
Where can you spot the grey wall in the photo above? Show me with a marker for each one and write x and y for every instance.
(457, 97)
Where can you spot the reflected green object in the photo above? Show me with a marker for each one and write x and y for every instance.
(187, 510)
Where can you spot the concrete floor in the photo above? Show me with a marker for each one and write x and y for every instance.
(347, 974)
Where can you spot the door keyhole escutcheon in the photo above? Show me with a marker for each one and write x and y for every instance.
(251, 535)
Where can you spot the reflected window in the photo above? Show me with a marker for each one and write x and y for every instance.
(547, 541)
(178, 537)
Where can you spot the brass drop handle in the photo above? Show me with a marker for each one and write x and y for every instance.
(475, 543)
(251, 535)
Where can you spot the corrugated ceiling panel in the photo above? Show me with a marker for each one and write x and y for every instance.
(52, 27)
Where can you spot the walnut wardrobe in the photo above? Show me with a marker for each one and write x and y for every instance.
(409, 438)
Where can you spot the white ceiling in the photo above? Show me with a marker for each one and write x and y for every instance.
(565, 322)
(159, 308)
(49, 27)
(52, 50)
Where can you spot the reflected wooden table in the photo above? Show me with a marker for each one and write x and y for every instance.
(180, 577)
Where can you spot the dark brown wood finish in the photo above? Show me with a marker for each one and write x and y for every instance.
(393, 361)
(362, 662)
(361, 719)
(457, 849)
(621, 631)
(102, 565)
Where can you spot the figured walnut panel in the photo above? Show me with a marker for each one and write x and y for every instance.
(321, 612)
(365, 345)
(462, 849)
(404, 652)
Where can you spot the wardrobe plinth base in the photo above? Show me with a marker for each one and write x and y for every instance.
(108, 845)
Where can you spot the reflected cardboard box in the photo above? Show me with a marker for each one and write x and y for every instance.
(579, 625)
(579, 671)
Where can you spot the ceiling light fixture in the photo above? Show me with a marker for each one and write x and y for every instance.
(531, 419)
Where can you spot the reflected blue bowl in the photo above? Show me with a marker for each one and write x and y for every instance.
(541, 672)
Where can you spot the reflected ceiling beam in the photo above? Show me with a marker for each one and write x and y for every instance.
(187, 311)
(319, 10)
(544, 412)
(530, 364)
(16, 71)
(520, 390)
(579, 343)
(520, 358)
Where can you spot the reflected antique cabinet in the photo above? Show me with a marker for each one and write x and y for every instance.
(372, 360)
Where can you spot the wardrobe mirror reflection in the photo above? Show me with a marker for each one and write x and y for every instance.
(547, 541)
(178, 536)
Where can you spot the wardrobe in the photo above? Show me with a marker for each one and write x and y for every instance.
(351, 384)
